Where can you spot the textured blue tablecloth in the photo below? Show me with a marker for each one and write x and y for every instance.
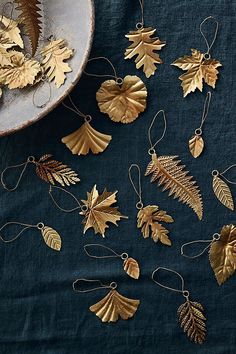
(39, 312)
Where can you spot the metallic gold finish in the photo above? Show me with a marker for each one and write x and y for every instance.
(131, 267)
(192, 321)
(30, 17)
(86, 138)
(51, 238)
(53, 63)
(144, 47)
(222, 254)
(167, 171)
(21, 71)
(196, 145)
(99, 211)
(52, 171)
(114, 306)
(124, 102)
(199, 70)
(222, 192)
(10, 34)
(149, 219)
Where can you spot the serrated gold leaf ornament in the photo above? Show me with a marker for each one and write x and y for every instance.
(20, 73)
(131, 267)
(114, 306)
(199, 70)
(52, 171)
(149, 219)
(100, 211)
(86, 138)
(144, 47)
(10, 34)
(51, 238)
(222, 254)
(123, 103)
(192, 321)
(196, 145)
(168, 172)
(222, 192)
(54, 56)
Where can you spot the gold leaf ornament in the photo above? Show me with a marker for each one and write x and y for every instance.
(144, 47)
(98, 210)
(51, 237)
(131, 267)
(123, 100)
(114, 306)
(149, 219)
(54, 56)
(222, 254)
(10, 34)
(222, 190)
(196, 145)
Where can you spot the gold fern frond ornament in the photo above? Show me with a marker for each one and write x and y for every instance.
(221, 188)
(168, 171)
(190, 313)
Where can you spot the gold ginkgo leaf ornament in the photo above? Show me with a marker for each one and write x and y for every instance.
(144, 47)
(199, 67)
(221, 188)
(113, 306)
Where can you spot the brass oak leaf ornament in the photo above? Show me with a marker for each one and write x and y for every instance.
(149, 219)
(10, 33)
(144, 47)
(122, 102)
(99, 211)
(199, 69)
(222, 254)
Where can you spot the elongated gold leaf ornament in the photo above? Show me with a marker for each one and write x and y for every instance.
(86, 138)
(169, 173)
(149, 219)
(124, 101)
(199, 69)
(54, 56)
(114, 306)
(30, 16)
(98, 211)
(144, 48)
(10, 33)
(192, 321)
(51, 238)
(222, 191)
(196, 145)
(131, 267)
(222, 254)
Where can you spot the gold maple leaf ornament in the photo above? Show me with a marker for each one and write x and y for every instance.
(144, 47)
(98, 211)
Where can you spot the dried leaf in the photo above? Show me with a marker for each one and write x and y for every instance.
(131, 267)
(30, 16)
(114, 306)
(86, 138)
(10, 34)
(100, 211)
(167, 171)
(5, 59)
(222, 192)
(144, 47)
(149, 219)
(222, 254)
(192, 321)
(52, 171)
(55, 54)
(122, 103)
(198, 70)
(51, 238)
(196, 145)
(21, 73)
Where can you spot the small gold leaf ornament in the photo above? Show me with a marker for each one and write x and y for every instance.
(54, 56)
(51, 237)
(98, 211)
(144, 47)
(131, 267)
(199, 67)
(222, 190)
(10, 33)
(149, 219)
(196, 145)
(122, 99)
(167, 171)
(191, 317)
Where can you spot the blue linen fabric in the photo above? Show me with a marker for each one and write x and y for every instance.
(39, 311)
